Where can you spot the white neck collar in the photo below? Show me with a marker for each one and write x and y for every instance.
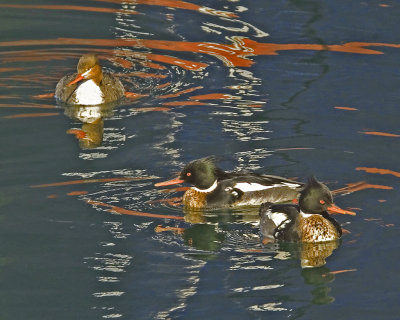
(214, 185)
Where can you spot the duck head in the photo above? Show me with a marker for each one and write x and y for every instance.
(316, 198)
(201, 173)
(88, 69)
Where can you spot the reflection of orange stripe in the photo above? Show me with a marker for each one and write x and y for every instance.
(232, 55)
(380, 171)
(66, 7)
(185, 103)
(77, 193)
(346, 108)
(383, 134)
(178, 4)
(38, 106)
(65, 183)
(212, 96)
(358, 186)
(31, 115)
(10, 69)
(132, 212)
(179, 93)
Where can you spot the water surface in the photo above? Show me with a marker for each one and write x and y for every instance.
(290, 88)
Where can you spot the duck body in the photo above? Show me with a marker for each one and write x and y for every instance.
(90, 85)
(214, 188)
(307, 222)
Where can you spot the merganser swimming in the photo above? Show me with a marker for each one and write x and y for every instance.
(90, 86)
(308, 221)
(214, 188)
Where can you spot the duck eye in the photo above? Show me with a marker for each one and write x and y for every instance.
(321, 201)
(188, 174)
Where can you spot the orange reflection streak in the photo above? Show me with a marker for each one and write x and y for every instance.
(346, 108)
(43, 96)
(133, 95)
(77, 193)
(186, 64)
(36, 106)
(142, 75)
(213, 96)
(358, 186)
(232, 55)
(150, 109)
(83, 181)
(79, 134)
(132, 212)
(10, 69)
(178, 4)
(383, 134)
(179, 93)
(185, 103)
(177, 230)
(380, 171)
(31, 115)
(67, 7)
(340, 271)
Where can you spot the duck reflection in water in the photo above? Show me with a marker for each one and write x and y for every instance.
(90, 135)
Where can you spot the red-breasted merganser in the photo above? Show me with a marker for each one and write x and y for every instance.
(90, 86)
(214, 188)
(307, 222)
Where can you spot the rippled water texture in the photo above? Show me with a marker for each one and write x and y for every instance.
(291, 88)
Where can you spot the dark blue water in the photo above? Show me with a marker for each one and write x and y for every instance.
(331, 113)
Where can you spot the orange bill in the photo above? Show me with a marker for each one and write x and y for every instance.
(78, 78)
(335, 209)
(169, 182)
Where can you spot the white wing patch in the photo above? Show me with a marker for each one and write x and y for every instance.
(89, 93)
(277, 217)
(252, 186)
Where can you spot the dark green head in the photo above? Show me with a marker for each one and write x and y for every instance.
(201, 173)
(315, 197)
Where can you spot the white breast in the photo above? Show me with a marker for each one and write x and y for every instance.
(89, 93)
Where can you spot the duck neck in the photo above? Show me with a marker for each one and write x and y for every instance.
(212, 188)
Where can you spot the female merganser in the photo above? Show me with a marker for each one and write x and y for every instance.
(90, 86)
(307, 222)
(214, 188)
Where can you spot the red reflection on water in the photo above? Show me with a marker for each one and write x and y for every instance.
(31, 115)
(379, 171)
(179, 93)
(213, 96)
(346, 108)
(383, 134)
(185, 103)
(236, 54)
(361, 185)
(177, 4)
(32, 105)
(67, 7)
(120, 210)
(77, 193)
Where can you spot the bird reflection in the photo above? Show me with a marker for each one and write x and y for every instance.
(90, 135)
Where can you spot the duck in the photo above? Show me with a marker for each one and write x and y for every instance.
(90, 85)
(214, 188)
(306, 222)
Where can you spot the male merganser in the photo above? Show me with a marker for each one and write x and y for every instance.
(90, 86)
(307, 222)
(214, 188)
